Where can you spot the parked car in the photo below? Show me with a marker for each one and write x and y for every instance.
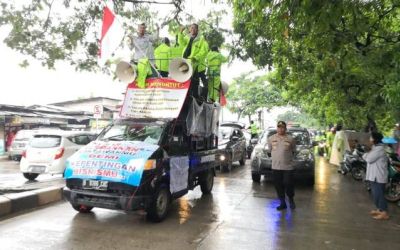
(47, 151)
(19, 143)
(304, 162)
(232, 146)
(249, 142)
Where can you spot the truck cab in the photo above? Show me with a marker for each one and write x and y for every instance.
(144, 163)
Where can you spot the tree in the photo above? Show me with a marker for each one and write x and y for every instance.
(334, 59)
(305, 120)
(248, 94)
(68, 30)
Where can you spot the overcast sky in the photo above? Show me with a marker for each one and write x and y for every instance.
(37, 85)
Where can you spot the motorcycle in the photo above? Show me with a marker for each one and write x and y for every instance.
(354, 163)
(252, 143)
(392, 192)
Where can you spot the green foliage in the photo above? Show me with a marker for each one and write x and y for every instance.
(53, 31)
(337, 60)
(305, 120)
(69, 30)
(248, 94)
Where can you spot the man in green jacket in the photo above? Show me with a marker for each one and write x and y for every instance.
(195, 49)
(214, 60)
(162, 55)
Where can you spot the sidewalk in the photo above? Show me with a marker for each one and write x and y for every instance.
(4, 157)
(17, 194)
(16, 202)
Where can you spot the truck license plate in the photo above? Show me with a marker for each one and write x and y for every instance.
(95, 184)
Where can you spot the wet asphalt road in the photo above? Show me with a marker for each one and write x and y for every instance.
(238, 215)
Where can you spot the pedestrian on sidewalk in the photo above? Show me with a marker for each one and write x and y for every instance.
(282, 147)
(377, 174)
(339, 147)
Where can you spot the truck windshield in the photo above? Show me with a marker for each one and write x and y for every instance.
(125, 131)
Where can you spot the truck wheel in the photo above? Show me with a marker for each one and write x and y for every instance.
(30, 176)
(256, 177)
(82, 208)
(158, 209)
(207, 182)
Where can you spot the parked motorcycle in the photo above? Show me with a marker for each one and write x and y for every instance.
(392, 192)
(354, 163)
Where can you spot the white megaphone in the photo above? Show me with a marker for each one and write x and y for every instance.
(224, 87)
(180, 70)
(125, 72)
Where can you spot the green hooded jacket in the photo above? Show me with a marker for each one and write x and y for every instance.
(199, 50)
(162, 55)
(214, 60)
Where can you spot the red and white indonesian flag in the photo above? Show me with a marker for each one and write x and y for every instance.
(112, 33)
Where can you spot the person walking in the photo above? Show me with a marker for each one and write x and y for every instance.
(377, 174)
(339, 147)
(282, 147)
(330, 136)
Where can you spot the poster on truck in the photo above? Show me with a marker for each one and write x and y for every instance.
(118, 161)
(162, 98)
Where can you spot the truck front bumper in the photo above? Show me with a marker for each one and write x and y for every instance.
(105, 200)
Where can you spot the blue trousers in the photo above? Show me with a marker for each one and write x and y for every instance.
(378, 194)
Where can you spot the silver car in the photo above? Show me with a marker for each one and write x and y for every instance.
(19, 143)
(304, 162)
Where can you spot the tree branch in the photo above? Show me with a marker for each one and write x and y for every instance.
(46, 23)
(144, 1)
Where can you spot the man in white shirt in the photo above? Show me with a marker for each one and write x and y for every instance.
(143, 43)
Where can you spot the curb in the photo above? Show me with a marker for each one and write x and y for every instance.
(16, 202)
(3, 157)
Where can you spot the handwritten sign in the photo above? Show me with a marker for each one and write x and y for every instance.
(110, 161)
(162, 98)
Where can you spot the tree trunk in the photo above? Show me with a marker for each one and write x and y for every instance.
(239, 115)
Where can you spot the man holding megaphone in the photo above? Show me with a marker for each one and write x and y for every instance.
(195, 49)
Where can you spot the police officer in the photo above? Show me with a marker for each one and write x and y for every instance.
(282, 147)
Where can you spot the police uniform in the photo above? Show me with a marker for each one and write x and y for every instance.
(282, 149)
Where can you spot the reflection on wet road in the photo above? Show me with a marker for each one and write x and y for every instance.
(240, 214)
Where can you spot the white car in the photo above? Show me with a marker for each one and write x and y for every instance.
(19, 143)
(48, 151)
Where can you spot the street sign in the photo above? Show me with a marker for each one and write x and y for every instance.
(98, 111)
